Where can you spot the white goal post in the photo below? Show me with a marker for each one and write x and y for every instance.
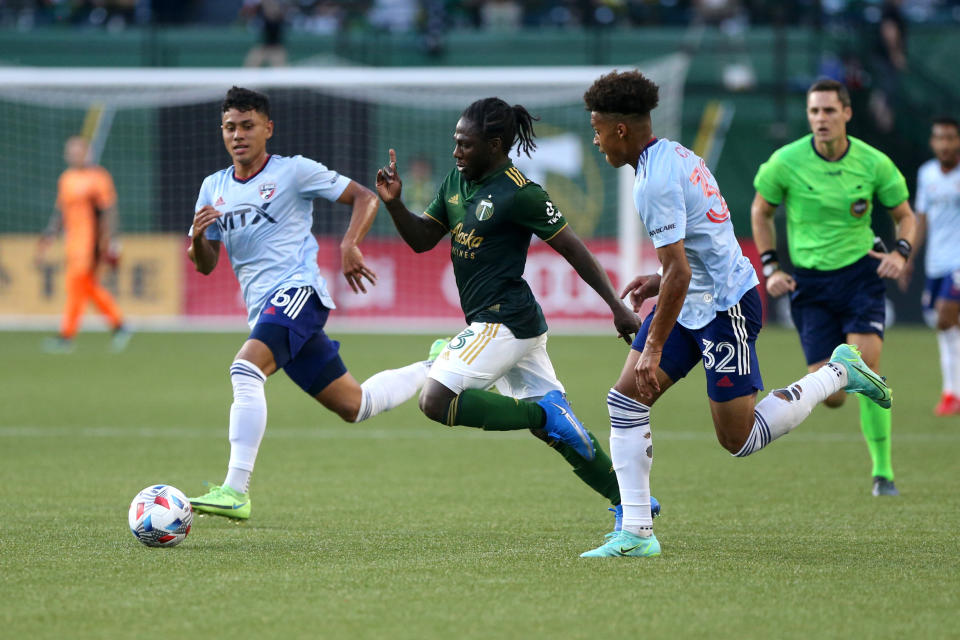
(156, 131)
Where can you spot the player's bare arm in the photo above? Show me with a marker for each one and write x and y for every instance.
(571, 247)
(779, 281)
(203, 252)
(892, 263)
(365, 207)
(920, 236)
(106, 226)
(48, 235)
(673, 292)
(422, 233)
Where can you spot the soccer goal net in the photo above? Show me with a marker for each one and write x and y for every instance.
(157, 132)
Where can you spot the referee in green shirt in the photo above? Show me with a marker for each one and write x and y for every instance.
(827, 182)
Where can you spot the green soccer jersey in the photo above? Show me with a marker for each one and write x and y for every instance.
(491, 222)
(829, 204)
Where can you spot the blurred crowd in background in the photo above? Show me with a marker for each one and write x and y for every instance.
(327, 17)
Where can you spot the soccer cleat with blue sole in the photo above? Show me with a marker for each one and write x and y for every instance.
(223, 501)
(860, 379)
(626, 545)
(562, 425)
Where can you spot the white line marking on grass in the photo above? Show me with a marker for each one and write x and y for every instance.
(400, 433)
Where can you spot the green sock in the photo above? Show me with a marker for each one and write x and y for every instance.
(494, 412)
(598, 474)
(875, 424)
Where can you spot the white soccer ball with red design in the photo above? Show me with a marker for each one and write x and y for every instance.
(160, 516)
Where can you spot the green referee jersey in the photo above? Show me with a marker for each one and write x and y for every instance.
(829, 204)
(491, 222)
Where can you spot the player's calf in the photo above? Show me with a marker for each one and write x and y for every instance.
(783, 409)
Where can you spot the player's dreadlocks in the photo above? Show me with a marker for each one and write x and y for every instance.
(497, 119)
(246, 100)
(628, 93)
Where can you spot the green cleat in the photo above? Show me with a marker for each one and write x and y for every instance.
(860, 379)
(626, 545)
(437, 348)
(223, 501)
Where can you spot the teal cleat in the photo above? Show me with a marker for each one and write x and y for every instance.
(860, 379)
(58, 345)
(437, 348)
(120, 340)
(223, 501)
(562, 425)
(626, 545)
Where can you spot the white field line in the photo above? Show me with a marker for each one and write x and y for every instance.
(360, 432)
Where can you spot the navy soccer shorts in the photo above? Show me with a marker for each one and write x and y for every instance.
(725, 346)
(946, 288)
(291, 325)
(828, 305)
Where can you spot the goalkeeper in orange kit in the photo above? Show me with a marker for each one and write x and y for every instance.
(86, 211)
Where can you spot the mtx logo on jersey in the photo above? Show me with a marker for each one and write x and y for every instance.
(859, 207)
(484, 210)
(267, 189)
(245, 214)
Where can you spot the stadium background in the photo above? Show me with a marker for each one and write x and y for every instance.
(743, 96)
(398, 528)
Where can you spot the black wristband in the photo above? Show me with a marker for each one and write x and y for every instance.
(769, 256)
(903, 248)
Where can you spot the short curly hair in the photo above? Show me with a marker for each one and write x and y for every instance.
(627, 92)
(246, 100)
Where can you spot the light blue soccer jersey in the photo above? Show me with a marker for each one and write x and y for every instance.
(938, 196)
(678, 199)
(265, 225)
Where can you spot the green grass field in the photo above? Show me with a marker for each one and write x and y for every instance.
(401, 528)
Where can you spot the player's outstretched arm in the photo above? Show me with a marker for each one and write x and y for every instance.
(203, 252)
(365, 207)
(571, 247)
(420, 232)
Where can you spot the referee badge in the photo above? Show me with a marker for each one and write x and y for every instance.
(859, 207)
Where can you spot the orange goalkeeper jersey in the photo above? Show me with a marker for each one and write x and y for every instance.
(81, 194)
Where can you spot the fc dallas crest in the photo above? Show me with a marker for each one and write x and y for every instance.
(267, 189)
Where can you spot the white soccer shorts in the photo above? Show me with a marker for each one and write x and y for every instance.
(486, 354)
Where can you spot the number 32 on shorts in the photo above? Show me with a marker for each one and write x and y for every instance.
(722, 350)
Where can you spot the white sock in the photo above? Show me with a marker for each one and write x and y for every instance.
(949, 341)
(774, 416)
(385, 390)
(248, 421)
(631, 449)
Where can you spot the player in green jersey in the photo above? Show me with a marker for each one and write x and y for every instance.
(490, 210)
(827, 182)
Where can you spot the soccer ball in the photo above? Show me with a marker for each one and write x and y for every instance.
(160, 516)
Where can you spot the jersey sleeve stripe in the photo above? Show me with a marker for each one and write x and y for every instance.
(555, 235)
(514, 174)
(437, 221)
(513, 177)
